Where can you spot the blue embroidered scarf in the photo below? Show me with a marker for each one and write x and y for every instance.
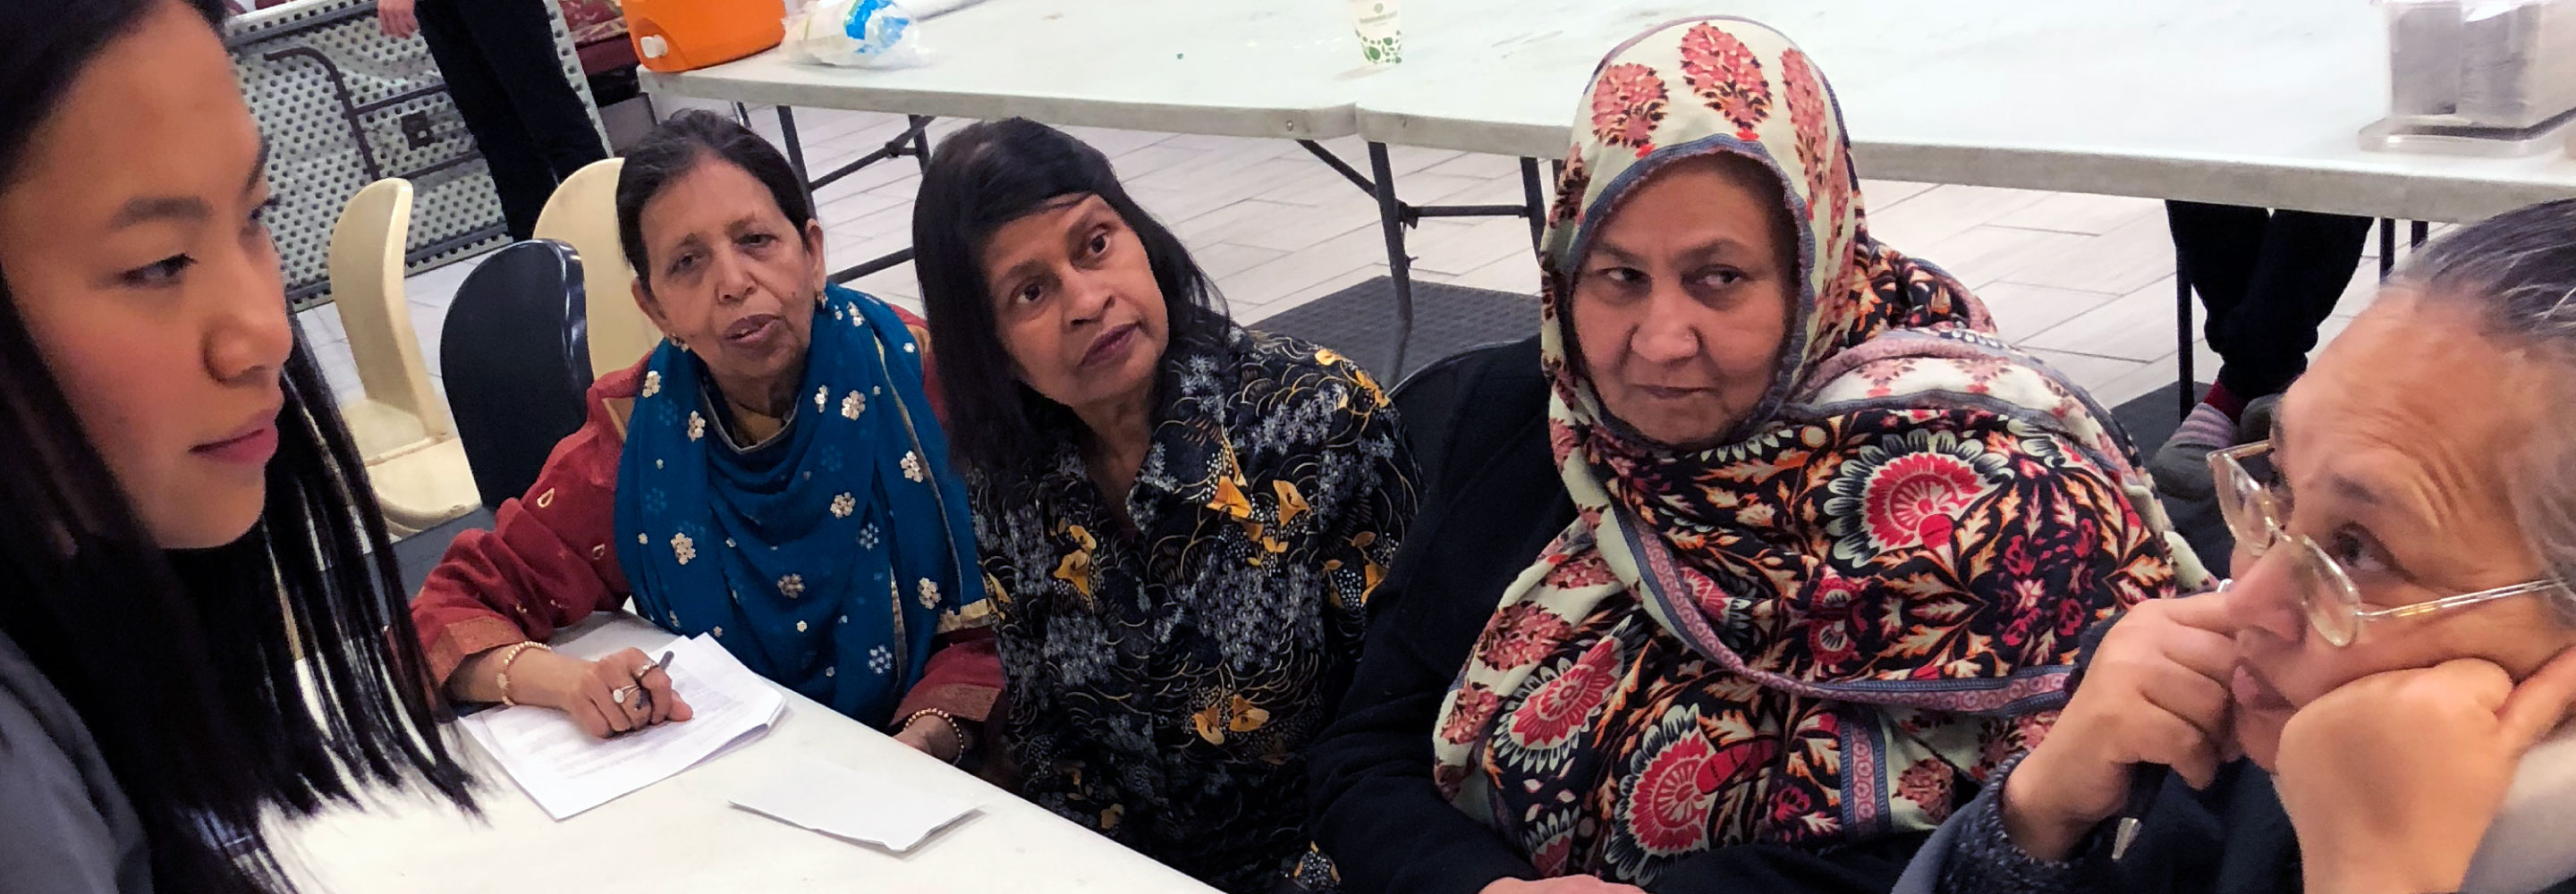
(825, 559)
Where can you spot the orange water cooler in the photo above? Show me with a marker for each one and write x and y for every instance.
(678, 35)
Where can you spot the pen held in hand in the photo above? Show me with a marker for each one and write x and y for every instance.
(643, 694)
(2145, 780)
(664, 666)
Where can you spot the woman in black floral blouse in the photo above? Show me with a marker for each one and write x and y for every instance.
(1169, 652)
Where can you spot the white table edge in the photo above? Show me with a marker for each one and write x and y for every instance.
(1308, 123)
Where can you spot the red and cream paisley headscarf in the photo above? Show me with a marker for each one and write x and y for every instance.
(1834, 623)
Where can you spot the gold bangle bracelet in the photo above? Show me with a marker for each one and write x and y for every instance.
(508, 658)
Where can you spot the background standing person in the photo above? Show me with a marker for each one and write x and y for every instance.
(499, 59)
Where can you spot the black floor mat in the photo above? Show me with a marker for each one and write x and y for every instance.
(1359, 322)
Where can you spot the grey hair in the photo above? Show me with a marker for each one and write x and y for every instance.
(2516, 272)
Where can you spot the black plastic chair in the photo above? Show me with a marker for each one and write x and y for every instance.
(1429, 398)
(516, 359)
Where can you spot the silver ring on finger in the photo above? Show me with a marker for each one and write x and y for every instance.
(619, 694)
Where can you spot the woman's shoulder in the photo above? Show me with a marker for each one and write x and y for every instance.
(64, 825)
(1270, 357)
(35, 720)
(1282, 388)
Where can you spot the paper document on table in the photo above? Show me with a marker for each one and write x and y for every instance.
(873, 807)
(567, 771)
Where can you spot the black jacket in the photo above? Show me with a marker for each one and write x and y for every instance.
(2232, 838)
(1495, 504)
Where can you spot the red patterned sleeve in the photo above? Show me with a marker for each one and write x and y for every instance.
(964, 676)
(548, 561)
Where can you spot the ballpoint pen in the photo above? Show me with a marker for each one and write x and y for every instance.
(2145, 780)
(643, 695)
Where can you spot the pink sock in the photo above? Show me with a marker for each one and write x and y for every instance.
(2226, 402)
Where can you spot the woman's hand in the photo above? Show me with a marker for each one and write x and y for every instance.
(2393, 779)
(586, 690)
(933, 735)
(2156, 693)
(396, 18)
(1572, 884)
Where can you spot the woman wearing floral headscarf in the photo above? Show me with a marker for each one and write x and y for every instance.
(1815, 560)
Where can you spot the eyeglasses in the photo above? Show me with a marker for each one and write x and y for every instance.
(2332, 603)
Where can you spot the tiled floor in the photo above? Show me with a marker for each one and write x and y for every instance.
(2083, 281)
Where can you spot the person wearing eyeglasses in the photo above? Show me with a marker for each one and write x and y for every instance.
(2375, 703)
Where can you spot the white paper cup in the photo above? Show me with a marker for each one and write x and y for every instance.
(1381, 35)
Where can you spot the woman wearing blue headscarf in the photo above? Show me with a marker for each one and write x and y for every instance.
(772, 476)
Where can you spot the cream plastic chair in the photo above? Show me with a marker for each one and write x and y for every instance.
(583, 214)
(402, 429)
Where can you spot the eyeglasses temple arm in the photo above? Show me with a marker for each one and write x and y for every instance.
(2450, 602)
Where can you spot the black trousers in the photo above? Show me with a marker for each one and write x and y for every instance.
(2268, 280)
(498, 57)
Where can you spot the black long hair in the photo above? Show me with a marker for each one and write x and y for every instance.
(191, 669)
(986, 175)
(678, 145)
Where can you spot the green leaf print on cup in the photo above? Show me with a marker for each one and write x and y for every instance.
(1380, 33)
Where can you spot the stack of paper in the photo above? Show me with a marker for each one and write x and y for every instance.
(567, 771)
(873, 807)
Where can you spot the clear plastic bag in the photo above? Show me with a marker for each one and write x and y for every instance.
(855, 33)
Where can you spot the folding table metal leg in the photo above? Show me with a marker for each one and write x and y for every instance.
(913, 141)
(1399, 267)
(2417, 233)
(2183, 340)
(1537, 201)
(795, 151)
(2387, 248)
(1394, 215)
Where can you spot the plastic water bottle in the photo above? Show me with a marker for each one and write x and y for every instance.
(879, 29)
(858, 33)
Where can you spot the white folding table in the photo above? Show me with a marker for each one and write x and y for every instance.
(2250, 102)
(682, 835)
(1271, 69)
(2253, 102)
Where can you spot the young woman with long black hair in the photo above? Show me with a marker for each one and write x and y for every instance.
(199, 620)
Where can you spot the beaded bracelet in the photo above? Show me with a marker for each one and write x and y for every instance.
(508, 657)
(965, 740)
